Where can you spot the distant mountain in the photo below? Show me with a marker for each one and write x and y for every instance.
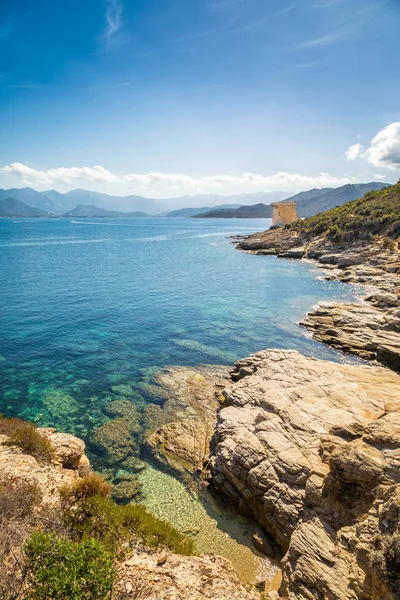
(308, 203)
(33, 198)
(59, 204)
(256, 211)
(114, 203)
(11, 207)
(89, 210)
(192, 212)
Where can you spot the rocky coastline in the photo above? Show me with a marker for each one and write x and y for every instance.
(369, 329)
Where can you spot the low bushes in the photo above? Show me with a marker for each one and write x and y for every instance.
(92, 514)
(61, 568)
(24, 435)
(18, 499)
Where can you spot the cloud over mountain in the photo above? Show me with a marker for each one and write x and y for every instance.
(165, 184)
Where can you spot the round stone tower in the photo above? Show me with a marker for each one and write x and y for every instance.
(283, 213)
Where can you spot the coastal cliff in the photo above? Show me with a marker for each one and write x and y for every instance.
(311, 450)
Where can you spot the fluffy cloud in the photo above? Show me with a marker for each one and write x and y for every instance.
(62, 174)
(384, 150)
(354, 152)
(167, 184)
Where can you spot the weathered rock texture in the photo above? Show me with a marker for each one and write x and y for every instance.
(311, 449)
(171, 577)
(370, 329)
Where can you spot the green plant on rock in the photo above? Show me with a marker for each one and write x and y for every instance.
(24, 435)
(60, 568)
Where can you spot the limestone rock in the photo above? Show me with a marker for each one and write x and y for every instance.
(310, 448)
(183, 445)
(17, 466)
(68, 448)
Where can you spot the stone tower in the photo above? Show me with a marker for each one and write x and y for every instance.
(283, 213)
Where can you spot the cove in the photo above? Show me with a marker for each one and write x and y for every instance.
(92, 309)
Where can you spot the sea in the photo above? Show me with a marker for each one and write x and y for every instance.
(91, 309)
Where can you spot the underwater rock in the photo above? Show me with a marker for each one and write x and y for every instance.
(187, 417)
(134, 464)
(126, 489)
(122, 408)
(115, 440)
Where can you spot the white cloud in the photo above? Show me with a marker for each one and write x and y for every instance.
(379, 176)
(384, 149)
(354, 152)
(166, 184)
(113, 21)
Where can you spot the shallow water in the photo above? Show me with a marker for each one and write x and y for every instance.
(90, 309)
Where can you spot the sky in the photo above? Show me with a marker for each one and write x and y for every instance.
(163, 98)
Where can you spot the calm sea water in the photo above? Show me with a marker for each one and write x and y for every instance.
(88, 306)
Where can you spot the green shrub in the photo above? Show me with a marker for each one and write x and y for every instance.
(61, 569)
(116, 526)
(24, 435)
(87, 487)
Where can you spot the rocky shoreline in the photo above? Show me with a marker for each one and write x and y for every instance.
(369, 329)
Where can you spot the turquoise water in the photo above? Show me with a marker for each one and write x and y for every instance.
(90, 309)
(93, 304)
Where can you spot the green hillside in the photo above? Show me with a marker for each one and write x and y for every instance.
(377, 213)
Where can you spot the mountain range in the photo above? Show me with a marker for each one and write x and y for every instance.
(27, 202)
(308, 203)
(59, 204)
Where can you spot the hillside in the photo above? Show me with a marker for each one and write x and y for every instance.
(315, 201)
(89, 210)
(10, 207)
(377, 213)
(308, 203)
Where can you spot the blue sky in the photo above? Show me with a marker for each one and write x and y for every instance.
(163, 97)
